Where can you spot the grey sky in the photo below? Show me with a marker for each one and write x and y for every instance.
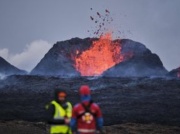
(155, 23)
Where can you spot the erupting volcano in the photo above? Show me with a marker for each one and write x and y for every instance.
(102, 55)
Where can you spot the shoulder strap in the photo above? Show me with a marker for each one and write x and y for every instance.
(87, 109)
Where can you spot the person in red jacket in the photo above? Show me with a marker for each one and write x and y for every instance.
(86, 115)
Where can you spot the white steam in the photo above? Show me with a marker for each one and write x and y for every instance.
(30, 56)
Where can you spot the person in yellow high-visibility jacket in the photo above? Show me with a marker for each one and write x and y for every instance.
(59, 113)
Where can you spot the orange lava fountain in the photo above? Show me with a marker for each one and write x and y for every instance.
(102, 55)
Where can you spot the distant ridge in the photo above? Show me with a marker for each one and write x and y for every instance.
(8, 69)
(174, 73)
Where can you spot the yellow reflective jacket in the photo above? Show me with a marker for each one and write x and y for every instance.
(60, 113)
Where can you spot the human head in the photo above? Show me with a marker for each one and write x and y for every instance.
(85, 93)
(60, 95)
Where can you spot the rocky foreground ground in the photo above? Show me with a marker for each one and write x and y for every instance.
(22, 127)
(129, 105)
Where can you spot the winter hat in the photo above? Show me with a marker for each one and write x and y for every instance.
(84, 90)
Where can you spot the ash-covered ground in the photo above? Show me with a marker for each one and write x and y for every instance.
(24, 127)
(123, 100)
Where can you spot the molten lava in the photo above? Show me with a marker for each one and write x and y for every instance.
(102, 55)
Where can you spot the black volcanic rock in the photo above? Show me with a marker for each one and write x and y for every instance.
(122, 100)
(142, 63)
(8, 69)
(174, 73)
(139, 61)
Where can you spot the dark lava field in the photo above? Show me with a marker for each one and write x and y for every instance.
(123, 100)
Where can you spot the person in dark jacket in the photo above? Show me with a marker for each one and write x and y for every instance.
(59, 113)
